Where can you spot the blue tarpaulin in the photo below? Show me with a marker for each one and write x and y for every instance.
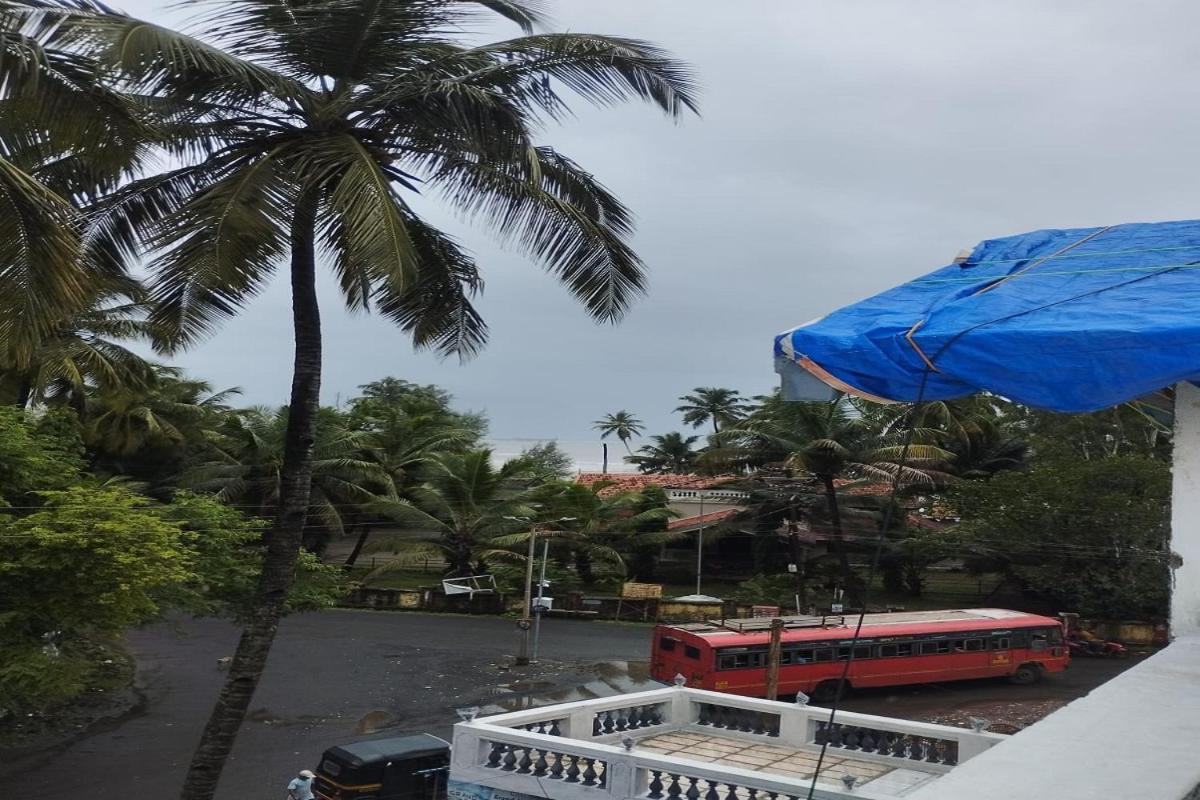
(1066, 320)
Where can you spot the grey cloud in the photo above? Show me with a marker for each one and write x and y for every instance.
(844, 147)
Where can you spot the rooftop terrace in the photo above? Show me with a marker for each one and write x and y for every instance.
(687, 744)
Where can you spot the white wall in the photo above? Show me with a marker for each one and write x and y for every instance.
(1185, 512)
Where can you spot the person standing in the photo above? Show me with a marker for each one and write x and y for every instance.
(301, 786)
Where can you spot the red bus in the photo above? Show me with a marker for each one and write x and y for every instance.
(892, 649)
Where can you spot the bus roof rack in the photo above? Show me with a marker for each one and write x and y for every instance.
(764, 623)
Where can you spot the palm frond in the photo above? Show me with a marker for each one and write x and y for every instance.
(40, 272)
(559, 214)
(603, 70)
(220, 248)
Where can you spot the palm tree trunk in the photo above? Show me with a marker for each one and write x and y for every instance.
(605, 469)
(358, 547)
(283, 543)
(24, 390)
(839, 541)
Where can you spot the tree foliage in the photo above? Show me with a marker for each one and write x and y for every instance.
(1083, 535)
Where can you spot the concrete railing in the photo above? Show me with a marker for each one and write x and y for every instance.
(589, 748)
(1133, 736)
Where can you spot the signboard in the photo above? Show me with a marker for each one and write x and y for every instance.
(836, 608)
(641, 591)
(458, 790)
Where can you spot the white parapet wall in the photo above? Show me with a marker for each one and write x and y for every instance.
(588, 750)
(1135, 736)
(1185, 512)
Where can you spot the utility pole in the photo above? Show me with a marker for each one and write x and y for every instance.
(774, 653)
(537, 617)
(700, 544)
(799, 556)
(525, 624)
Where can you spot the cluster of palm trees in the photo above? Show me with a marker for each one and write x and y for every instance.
(820, 453)
(273, 135)
(673, 452)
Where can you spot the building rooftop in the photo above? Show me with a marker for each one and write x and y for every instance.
(685, 744)
(629, 482)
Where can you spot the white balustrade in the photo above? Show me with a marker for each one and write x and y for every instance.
(580, 748)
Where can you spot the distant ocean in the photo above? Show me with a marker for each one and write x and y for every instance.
(587, 455)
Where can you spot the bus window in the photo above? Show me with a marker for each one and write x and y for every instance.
(824, 654)
(887, 650)
(691, 652)
(861, 653)
(1020, 639)
(1001, 643)
(1055, 635)
(1038, 640)
(973, 645)
(905, 649)
(802, 656)
(666, 643)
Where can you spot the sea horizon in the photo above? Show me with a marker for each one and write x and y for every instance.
(587, 455)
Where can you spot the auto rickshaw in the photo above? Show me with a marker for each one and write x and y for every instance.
(401, 768)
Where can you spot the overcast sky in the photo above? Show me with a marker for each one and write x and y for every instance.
(842, 148)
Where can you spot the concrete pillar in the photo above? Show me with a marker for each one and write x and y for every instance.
(1185, 512)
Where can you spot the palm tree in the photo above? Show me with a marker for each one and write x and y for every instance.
(670, 453)
(247, 469)
(465, 503)
(151, 430)
(593, 525)
(301, 124)
(67, 140)
(402, 444)
(622, 424)
(835, 440)
(722, 406)
(82, 351)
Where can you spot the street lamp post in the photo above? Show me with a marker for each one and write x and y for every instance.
(523, 653)
(537, 618)
(526, 623)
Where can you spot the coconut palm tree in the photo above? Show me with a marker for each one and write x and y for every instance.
(837, 440)
(669, 453)
(721, 406)
(306, 125)
(402, 444)
(82, 351)
(67, 140)
(151, 430)
(594, 525)
(465, 503)
(621, 424)
(249, 456)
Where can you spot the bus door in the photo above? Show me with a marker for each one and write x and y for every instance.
(1000, 652)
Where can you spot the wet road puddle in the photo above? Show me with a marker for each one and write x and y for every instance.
(609, 678)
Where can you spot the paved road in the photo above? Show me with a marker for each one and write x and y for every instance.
(332, 677)
(342, 675)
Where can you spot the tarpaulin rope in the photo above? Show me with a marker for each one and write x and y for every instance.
(910, 337)
(875, 558)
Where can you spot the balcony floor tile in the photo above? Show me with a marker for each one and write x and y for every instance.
(783, 761)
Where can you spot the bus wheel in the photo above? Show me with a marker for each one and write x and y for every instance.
(827, 691)
(1026, 674)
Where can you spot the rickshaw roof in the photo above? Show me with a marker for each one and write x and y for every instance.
(374, 751)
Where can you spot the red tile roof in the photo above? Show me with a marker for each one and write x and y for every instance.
(702, 519)
(630, 482)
